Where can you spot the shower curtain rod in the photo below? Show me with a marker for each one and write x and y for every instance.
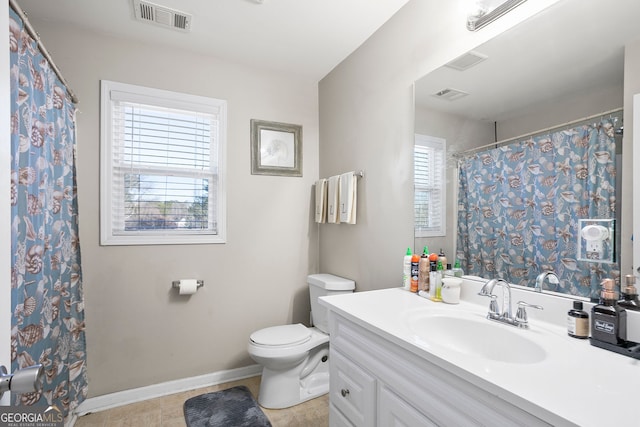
(32, 32)
(505, 141)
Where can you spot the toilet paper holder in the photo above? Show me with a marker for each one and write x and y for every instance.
(176, 284)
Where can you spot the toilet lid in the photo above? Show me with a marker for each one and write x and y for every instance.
(282, 335)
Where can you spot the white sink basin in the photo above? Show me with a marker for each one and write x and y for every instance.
(474, 335)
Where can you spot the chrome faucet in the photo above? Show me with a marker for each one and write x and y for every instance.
(553, 278)
(504, 315)
(487, 291)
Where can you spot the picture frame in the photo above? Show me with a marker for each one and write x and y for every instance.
(276, 148)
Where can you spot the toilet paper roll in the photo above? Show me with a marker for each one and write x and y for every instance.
(188, 286)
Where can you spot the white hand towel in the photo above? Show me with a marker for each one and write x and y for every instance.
(333, 216)
(348, 197)
(321, 201)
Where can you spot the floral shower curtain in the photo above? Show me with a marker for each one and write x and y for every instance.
(519, 206)
(46, 278)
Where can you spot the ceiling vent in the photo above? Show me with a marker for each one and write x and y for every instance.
(161, 15)
(450, 94)
(467, 60)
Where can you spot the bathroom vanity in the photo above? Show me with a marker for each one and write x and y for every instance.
(399, 359)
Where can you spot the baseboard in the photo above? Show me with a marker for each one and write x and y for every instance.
(121, 398)
(71, 420)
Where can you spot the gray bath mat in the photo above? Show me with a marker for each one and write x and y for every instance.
(233, 407)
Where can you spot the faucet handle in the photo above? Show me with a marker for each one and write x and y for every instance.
(493, 305)
(521, 314)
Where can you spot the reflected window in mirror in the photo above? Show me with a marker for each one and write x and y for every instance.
(429, 186)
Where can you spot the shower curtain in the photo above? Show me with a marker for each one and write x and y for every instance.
(46, 278)
(519, 206)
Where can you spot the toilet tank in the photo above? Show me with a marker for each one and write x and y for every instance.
(321, 285)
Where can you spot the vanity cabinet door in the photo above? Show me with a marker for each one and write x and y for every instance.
(395, 411)
(352, 391)
(336, 418)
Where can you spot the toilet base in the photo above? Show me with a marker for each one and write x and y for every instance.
(280, 389)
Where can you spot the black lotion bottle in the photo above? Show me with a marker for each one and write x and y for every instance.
(608, 319)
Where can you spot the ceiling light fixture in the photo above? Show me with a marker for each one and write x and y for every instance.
(483, 12)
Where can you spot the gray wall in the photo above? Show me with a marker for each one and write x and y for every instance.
(561, 110)
(138, 331)
(367, 122)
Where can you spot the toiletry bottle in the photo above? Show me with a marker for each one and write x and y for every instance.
(415, 260)
(433, 283)
(439, 274)
(448, 271)
(423, 271)
(578, 321)
(406, 270)
(629, 292)
(442, 258)
(457, 270)
(608, 319)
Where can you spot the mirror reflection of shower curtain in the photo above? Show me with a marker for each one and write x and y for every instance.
(46, 279)
(519, 206)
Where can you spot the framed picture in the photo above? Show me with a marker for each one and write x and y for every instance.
(276, 148)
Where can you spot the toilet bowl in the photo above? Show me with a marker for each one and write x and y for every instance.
(295, 358)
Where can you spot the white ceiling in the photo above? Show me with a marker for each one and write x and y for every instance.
(305, 37)
(574, 45)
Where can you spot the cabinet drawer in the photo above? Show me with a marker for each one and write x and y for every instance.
(352, 390)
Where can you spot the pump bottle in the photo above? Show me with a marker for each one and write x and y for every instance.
(608, 319)
(629, 292)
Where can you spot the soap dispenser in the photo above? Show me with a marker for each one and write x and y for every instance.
(629, 292)
(608, 319)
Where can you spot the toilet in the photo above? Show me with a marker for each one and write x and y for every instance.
(295, 358)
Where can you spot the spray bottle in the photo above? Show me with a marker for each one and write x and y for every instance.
(406, 270)
(415, 260)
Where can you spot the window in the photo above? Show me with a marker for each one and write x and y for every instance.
(162, 167)
(429, 186)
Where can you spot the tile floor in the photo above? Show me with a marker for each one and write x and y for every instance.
(167, 411)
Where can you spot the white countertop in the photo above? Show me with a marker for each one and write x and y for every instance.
(576, 384)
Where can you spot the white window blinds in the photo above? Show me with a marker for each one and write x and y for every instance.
(163, 154)
(429, 186)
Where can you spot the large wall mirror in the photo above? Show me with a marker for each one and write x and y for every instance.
(545, 102)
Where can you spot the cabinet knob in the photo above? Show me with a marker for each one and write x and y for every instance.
(344, 392)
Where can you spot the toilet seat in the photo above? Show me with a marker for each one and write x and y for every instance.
(283, 335)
